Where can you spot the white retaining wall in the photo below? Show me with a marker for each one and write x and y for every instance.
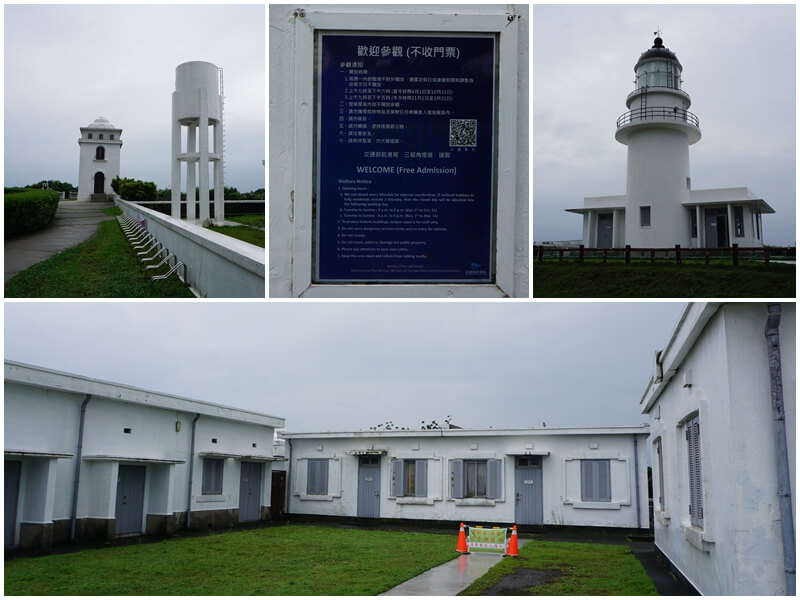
(217, 266)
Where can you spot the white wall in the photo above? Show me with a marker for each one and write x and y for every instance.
(282, 113)
(216, 265)
(560, 471)
(725, 379)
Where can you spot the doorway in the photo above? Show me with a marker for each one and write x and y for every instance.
(605, 230)
(369, 486)
(130, 499)
(529, 509)
(716, 227)
(250, 492)
(99, 183)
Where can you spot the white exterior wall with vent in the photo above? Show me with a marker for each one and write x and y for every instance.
(715, 368)
(123, 426)
(560, 452)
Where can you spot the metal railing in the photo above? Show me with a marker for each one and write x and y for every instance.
(660, 113)
(675, 253)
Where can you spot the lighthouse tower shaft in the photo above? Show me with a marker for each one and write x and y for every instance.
(658, 130)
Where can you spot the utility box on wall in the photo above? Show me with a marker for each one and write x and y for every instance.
(398, 161)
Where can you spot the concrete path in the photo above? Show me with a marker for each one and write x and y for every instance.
(450, 578)
(75, 222)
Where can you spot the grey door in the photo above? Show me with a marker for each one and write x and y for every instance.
(369, 486)
(250, 492)
(529, 490)
(716, 227)
(11, 482)
(605, 230)
(130, 499)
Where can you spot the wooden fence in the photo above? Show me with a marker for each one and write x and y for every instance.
(675, 253)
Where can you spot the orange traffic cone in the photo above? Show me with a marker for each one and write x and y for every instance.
(513, 544)
(462, 541)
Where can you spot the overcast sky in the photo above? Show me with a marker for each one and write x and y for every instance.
(738, 67)
(330, 366)
(66, 65)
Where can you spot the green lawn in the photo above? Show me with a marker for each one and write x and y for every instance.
(640, 279)
(252, 220)
(250, 235)
(103, 266)
(576, 570)
(276, 561)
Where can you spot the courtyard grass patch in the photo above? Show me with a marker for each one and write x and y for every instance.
(576, 570)
(276, 561)
(640, 279)
(104, 266)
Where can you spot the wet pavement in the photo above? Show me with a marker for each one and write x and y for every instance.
(450, 578)
(75, 222)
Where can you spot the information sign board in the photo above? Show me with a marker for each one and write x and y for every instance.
(405, 173)
(487, 540)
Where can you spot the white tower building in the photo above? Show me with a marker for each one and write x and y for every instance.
(658, 131)
(197, 105)
(660, 209)
(100, 146)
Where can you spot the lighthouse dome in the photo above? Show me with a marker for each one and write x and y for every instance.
(100, 123)
(658, 50)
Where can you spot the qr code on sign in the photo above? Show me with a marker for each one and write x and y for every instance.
(463, 132)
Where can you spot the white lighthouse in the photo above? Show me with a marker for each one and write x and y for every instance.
(100, 146)
(197, 105)
(660, 209)
(658, 130)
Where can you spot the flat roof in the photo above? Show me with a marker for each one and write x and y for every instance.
(521, 432)
(41, 377)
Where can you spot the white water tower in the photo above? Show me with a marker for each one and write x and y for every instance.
(197, 105)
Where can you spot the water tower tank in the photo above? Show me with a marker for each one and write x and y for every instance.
(190, 79)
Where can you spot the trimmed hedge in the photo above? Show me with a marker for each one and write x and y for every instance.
(28, 210)
(134, 190)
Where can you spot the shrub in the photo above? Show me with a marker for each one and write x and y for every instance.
(28, 210)
(134, 190)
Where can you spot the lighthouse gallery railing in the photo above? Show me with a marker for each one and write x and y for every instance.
(660, 113)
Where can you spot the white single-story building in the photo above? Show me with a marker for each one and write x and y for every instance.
(89, 459)
(547, 476)
(723, 414)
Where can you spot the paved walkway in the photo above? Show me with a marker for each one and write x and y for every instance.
(450, 578)
(75, 222)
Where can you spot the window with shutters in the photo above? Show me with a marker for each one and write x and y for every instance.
(410, 478)
(475, 478)
(695, 471)
(317, 477)
(596, 480)
(660, 457)
(212, 476)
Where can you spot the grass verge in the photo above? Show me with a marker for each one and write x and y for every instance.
(592, 279)
(252, 220)
(576, 570)
(103, 266)
(276, 561)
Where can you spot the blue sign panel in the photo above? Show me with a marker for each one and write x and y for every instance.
(405, 163)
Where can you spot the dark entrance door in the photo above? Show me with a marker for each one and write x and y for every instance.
(605, 230)
(250, 492)
(278, 495)
(369, 486)
(11, 482)
(529, 490)
(716, 227)
(130, 499)
(99, 183)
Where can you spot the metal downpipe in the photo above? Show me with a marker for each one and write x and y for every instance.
(781, 453)
(77, 478)
(191, 472)
(636, 470)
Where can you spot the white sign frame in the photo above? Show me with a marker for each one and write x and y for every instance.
(307, 22)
